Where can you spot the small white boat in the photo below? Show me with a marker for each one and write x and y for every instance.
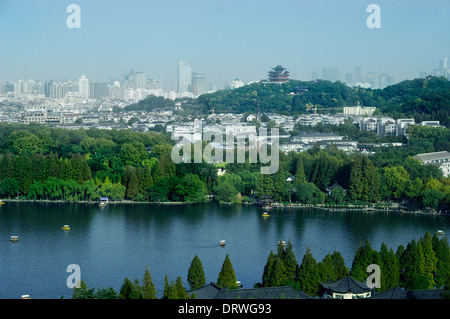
(103, 201)
(238, 284)
(281, 243)
(25, 297)
(440, 232)
(222, 243)
(14, 238)
(66, 227)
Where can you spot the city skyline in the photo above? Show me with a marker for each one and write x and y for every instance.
(226, 41)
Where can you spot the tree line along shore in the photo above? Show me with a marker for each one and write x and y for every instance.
(39, 162)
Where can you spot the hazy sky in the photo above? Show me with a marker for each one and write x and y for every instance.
(226, 39)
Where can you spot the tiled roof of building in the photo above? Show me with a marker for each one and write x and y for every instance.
(347, 284)
(399, 293)
(212, 291)
(433, 156)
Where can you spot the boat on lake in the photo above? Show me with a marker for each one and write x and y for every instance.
(281, 243)
(66, 227)
(1, 202)
(440, 232)
(265, 214)
(14, 238)
(103, 201)
(222, 243)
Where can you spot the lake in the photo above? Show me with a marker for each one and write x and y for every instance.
(118, 241)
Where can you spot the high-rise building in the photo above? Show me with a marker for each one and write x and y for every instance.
(236, 83)
(315, 75)
(20, 87)
(199, 84)
(115, 91)
(385, 80)
(140, 80)
(349, 78)
(371, 78)
(358, 75)
(330, 74)
(58, 90)
(184, 78)
(98, 90)
(83, 86)
(443, 64)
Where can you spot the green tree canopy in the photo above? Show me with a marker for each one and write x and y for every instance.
(227, 277)
(196, 275)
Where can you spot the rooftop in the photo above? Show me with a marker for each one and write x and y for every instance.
(212, 291)
(425, 157)
(347, 284)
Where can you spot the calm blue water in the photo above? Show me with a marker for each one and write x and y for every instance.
(118, 241)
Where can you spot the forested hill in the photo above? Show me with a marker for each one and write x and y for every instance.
(424, 99)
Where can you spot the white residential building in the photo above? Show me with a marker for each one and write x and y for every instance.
(358, 110)
(402, 125)
(440, 159)
(83, 86)
(313, 137)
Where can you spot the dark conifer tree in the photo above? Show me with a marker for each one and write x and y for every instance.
(340, 269)
(289, 261)
(126, 289)
(430, 260)
(326, 269)
(227, 277)
(308, 274)
(300, 177)
(196, 275)
(413, 265)
(179, 289)
(148, 287)
(363, 258)
(268, 270)
(390, 268)
(442, 250)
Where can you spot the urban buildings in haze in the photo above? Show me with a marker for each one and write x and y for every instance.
(199, 85)
(83, 86)
(184, 77)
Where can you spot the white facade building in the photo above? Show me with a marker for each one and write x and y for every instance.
(440, 159)
(83, 86)
(358, 110)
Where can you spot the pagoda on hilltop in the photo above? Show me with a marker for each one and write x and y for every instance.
(279, 75)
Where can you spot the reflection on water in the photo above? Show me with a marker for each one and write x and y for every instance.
(118, 241)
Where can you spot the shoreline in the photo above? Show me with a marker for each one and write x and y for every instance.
(343, 208)
(337, 208)
(89, 202)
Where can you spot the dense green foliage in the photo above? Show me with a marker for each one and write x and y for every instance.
(423, 99)
(227, 277)
(424, 264)
(58, 164)
(196, 275)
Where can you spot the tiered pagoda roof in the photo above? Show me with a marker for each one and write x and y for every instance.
(279, 74)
